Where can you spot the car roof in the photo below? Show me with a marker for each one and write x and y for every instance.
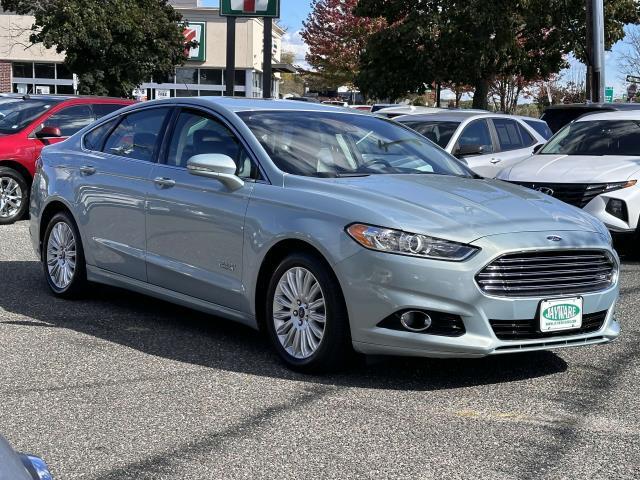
(63, 98)
(611, 115)
(452, 116)
(241, 104)
(594, 106)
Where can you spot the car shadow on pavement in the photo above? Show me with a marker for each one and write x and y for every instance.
(168, 331)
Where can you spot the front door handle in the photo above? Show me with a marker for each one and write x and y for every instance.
(164, 182)
(87, 170)
(495, 160)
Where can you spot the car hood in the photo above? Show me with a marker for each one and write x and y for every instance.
(461, 209)
(573, 169)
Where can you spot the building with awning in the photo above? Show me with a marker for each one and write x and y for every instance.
(40, 70)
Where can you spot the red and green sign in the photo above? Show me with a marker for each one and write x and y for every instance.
(196, 31)
(250, 8)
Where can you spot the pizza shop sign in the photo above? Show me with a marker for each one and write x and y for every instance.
(250, 8)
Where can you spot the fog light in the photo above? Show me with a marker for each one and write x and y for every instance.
(617, 208)
(415, 321)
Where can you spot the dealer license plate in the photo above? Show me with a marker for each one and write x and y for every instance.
(560, 314)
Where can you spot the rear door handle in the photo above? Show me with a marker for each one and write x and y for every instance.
(495, 160)
(87, 170)
(164, 182)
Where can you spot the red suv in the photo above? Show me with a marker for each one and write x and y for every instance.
(29, 123)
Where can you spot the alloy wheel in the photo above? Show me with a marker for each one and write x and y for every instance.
(10, 197)
(61, 255)
(299, 312)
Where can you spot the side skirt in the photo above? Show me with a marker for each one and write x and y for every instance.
(98, 275)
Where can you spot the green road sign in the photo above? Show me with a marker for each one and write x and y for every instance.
(608, 94)
(250, 8)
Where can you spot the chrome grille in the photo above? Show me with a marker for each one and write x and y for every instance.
(545, 273)
(577, 194)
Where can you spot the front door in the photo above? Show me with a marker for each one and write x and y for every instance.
(112, 183)
(478, 133)
(195, 225)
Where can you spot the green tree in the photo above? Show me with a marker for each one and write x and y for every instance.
(113, 45)
(291, 83)
(476, 41)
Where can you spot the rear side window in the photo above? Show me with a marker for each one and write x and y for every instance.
(512, 135)
(102, 109)
(71, 119)
(137, 135)
(541, 127)
(95, 138)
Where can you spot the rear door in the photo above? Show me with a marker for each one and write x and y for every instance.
(112, 185)
(515, 143)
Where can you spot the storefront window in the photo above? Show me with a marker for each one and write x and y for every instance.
(186, 93)
(210, 76)
(63, 72)
(65, 89)
(187, 75)
(241, 77)
(45, 70)
(23, 69)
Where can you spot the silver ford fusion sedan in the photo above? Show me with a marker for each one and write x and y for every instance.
(332, 230)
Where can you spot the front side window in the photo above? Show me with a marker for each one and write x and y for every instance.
(477, 133)
(511, 135)
(137, 135)
(330, 144)
(198, 134)
(17, 113)
(71, 119)
(596, 138)
(439, 133)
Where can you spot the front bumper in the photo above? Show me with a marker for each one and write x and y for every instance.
(377, 285)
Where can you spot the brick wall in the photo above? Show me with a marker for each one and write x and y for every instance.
(5, 76)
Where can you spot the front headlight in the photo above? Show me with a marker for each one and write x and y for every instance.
(411, 244)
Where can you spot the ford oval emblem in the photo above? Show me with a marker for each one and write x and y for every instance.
(554, 238)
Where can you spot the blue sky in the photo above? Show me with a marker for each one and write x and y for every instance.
(293, 12)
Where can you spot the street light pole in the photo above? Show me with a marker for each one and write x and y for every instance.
(595, 51)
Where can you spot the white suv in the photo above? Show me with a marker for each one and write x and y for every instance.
(592, 163)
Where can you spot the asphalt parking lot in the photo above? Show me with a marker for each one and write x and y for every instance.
(121, 386)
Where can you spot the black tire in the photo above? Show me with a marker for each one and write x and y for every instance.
(335, 349)
(10, 173)
(78, 283)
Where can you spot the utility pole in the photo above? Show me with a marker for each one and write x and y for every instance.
(595, 51)
(267, 69)
(230, 72)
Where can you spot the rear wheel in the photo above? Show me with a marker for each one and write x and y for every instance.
(63, 257)
(14, 196)
(307, 319)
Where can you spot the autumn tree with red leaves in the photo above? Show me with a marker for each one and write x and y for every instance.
(336, 38)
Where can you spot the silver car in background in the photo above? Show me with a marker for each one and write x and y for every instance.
(487, 142)
(330, 229)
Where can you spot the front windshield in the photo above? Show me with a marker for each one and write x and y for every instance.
(332, 144)
(439, 133)
(598, 137)
(17, 113)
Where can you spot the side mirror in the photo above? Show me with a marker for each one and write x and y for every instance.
(49, 132)
(218, 166)
(468, 150)
(537, 148)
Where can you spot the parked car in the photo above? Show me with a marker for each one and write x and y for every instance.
(594, 164)
(362, 108)
(538, 125)
(16, 466)
(379, 106)
(27, 124)
(336, 103)
(487, 142)
(557, 116)
(332, 229)
(397, 111)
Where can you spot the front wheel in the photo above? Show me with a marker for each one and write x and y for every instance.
(307, 319)
(63, 257)
(14, 196)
